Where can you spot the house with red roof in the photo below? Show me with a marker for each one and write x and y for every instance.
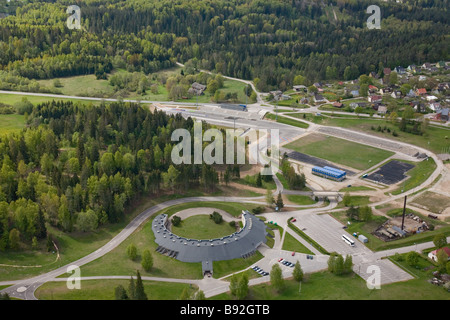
(433, 254)
(374, 98)
(421, 91)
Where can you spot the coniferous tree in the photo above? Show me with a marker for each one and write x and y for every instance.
(120, 293)
(139, 288)
(279, 202)
(132, 289)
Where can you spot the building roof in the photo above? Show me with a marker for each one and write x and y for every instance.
(421, 91)
(446, 250)
(318, 97)
(236, 245)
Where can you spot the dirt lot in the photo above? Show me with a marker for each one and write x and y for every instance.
(432, 201)
(410, 224)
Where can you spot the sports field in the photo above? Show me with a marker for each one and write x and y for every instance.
(339, 151)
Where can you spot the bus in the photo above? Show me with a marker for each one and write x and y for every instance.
(348, 240)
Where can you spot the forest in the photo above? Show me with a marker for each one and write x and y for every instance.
(77, 167)
(269, 42)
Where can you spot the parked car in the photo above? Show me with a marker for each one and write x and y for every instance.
(293, 253)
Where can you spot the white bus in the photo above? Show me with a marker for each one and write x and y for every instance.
(348, 240)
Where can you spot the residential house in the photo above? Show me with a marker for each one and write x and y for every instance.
(382, 110)
(276, 94)
(426, 66)
(372, 88)
(431, 98)
(338, 104)
(434, 69)
(433, 254)
(421, 91)
(413, 68)
(396, 94)
(318, 85)
(441, 64)
(387, 71)
(197, 89)
(422, 78)
(354, 93)
(435, 106)
(374, 75)
(400, 70)
(411, 94)
(376, 105)
(374, 98)
(418, 106)
(441, 87)
(442, 114)
(299, 88)
(386, 90)
(354, 105)
(318, 98)
(283, 97)
(304, 101)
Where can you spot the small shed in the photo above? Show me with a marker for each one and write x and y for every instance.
(363, 239)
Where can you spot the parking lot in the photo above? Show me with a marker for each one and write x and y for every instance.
(391, 173)
(327, 232)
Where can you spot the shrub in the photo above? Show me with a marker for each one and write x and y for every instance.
(23, 106)
(176, 221)
(216, 217)
(132, 252)
(258, 210)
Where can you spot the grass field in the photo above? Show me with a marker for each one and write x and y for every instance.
(11, 99)
(327, 286)
(292, 244)
(11, 123)
(435, 202)
(356, 201)
(85, 86)
(104, 290)
(301, 200)
(339, 151)
(287, 121)
(435, 139)
(202, 227)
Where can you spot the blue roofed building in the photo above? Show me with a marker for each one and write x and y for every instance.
(329, 173)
